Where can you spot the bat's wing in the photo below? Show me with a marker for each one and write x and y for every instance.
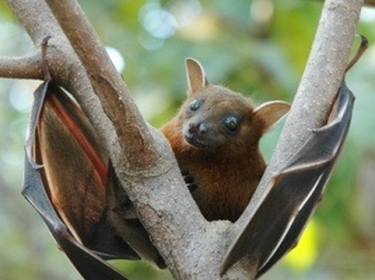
(66, 181)
(87, 263)
(295, 190)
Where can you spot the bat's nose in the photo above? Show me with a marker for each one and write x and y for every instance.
(197, 128)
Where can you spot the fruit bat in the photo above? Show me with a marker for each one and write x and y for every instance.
(274, 227)
(70, 182)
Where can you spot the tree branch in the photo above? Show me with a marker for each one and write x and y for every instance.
(109, 87)
(23, 67)
(318, 88)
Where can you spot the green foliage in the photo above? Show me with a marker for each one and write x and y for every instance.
(255, 47)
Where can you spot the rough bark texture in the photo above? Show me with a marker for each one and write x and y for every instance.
(192, 247)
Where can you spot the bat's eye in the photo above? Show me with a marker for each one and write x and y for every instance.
(195, 104)
(232, 123)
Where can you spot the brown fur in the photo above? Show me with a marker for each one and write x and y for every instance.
(225, 166)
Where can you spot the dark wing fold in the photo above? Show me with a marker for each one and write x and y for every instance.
(66, 181)
(87, 263)
(294, 192)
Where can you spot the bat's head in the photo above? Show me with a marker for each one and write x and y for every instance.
(216, 117)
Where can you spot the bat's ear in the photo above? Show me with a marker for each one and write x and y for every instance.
(270, 113)
(195, 75)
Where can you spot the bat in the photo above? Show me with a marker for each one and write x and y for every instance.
(295, 190)
(70, 182)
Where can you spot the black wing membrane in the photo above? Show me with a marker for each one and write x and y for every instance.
(87, 263)
(295, 191)
(71, 183)
(66, 181)
(276, 222)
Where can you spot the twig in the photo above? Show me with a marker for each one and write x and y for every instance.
(22, 67)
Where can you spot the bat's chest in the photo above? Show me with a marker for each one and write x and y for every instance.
(222, 193)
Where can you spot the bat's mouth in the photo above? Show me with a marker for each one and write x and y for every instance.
(195, 142)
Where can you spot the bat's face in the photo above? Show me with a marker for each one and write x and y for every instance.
(218, 118)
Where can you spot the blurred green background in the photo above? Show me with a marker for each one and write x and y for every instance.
(255, 47)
